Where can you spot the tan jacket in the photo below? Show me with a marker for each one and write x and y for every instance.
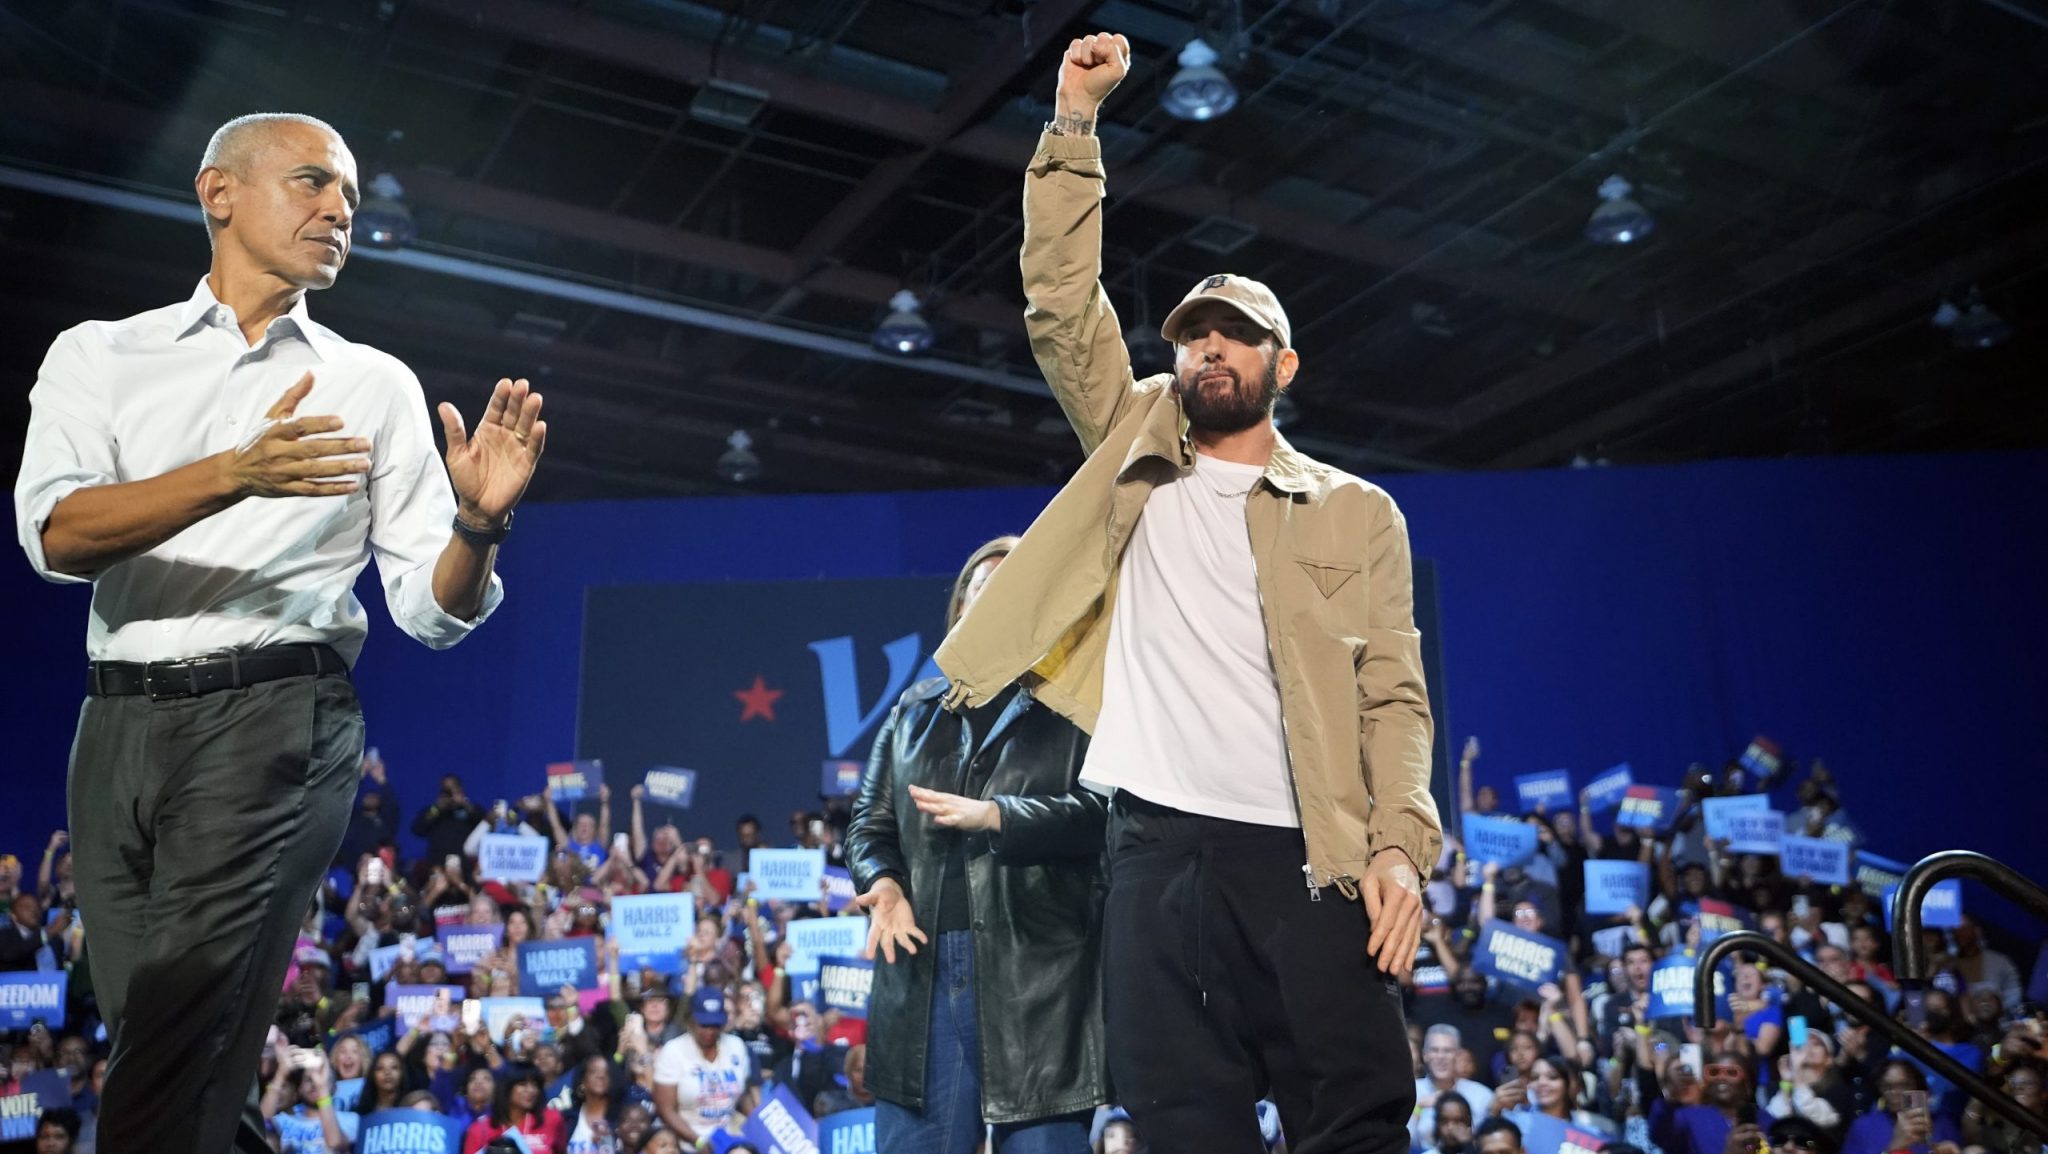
(1331, 552)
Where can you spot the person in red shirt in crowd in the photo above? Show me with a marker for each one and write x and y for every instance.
(517, 1108)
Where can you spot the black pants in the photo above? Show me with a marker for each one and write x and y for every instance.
(1225, 983)
(200, 830)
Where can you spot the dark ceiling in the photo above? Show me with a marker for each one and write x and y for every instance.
(1413, 177)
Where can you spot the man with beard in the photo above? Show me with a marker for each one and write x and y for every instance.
(1234, 623)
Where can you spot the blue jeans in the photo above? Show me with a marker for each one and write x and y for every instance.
(950, 1122)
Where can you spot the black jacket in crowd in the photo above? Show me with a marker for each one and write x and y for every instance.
(446, 827)
(1035, 891)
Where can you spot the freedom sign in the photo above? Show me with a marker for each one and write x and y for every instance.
(1876, 874)
(651, 930)
(1755, 831)
(1501, 840)
(1613, 887)
(839, 888)
(843, 985)
(1942, 910)
(32, 996)
(1548, 791)
(811, 939)
(545, 967)
(786, 875)
(1523, 959)
(1650, 807)
(512, 857)
(37, 1092)
(408, 1131)
(1718, 810)
(415, 1003)
(575, 780)
(1605, 792)
(462, 947)
(1826, 862)
(781, 1126)
(671, 785)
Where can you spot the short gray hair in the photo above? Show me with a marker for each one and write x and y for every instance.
(229, 148)
(1445, 1031)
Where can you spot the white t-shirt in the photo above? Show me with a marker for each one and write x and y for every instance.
(1190, 707)
(706, 1090)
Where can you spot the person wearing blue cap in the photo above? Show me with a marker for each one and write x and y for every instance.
(701, 1079)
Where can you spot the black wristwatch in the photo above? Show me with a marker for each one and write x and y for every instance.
(481, 535)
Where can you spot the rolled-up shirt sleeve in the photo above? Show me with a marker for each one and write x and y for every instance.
(70, 446)
(412, 509)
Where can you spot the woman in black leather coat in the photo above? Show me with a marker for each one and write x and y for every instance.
(979, 859)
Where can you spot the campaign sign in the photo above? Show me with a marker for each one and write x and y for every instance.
(417, 1002)
(512, 857)
(1501, 840)
(1543, 1134)
(347, 1093)
(545, 967)
(843, 985)
(1650, 807)
(575, 780)
(652, 929)
(779, 1125)
(786, 875)
(1671, 986)
(839, 884)
(462, 947)
(1943, 909)
(1606, 791)
(1524, 959)
(1755, 831)
(1612, 887)
(1717, 810)
(1717, 917)
(499, 1012)
(848, 1132)
(1612, 941)
(382, 961)
(1763, 757)
(1548, 791)
(1826, 862)
(1875, 875)
(37, 1092)
(35, 995)
(671, 785)
(408, 1131)
(379, 1035)
(841, 777)
(813, 938)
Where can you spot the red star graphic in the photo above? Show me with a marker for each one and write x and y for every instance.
(759, 701)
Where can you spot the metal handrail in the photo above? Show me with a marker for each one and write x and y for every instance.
(1845, 1000)
(1909, 953)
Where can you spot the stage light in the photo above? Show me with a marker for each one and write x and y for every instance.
(1619, 219)
(738, 464)
(382, 220)
(904, 330)
(1199, 91)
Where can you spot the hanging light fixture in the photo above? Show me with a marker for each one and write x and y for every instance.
(904, 330)
(1619, 219)
(738, 465)
(1972, 325)
(382, 220)
(1199, 91)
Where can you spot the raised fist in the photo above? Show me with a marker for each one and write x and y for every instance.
(1091, 69)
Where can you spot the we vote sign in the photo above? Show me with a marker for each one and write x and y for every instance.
(652, 929)
(787, 875)
(1515, 956)
(843, 985)
(462, 947)
(32, 996)
(545, 967)
(408, 1132)
(1606, 791)
(1826, 862)
(575, 780)
(512, 857)
(1613, 887)
(1501, 840)
(811, 939)
(1648, 807)
(1547, 792)
(37, 1092)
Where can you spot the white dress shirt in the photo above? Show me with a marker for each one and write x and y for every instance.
(134, 399)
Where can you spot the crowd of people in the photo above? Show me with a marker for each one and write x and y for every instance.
(661, 1063)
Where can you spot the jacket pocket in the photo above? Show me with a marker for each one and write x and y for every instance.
(1328, 577)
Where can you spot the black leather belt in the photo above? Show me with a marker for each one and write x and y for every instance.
(236, 669)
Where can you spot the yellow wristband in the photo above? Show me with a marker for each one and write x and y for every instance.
(324, 1102)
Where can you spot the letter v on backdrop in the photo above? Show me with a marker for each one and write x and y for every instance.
(838, 672)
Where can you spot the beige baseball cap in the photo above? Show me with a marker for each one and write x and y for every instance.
(1246, 295)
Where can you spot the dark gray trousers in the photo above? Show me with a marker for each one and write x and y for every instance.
(200, 830)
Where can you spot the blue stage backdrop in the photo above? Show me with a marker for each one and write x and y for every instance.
(1884, 613)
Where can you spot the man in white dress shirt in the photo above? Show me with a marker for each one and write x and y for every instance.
(221, 470)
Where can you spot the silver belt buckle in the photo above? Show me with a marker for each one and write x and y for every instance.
(159, 691)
